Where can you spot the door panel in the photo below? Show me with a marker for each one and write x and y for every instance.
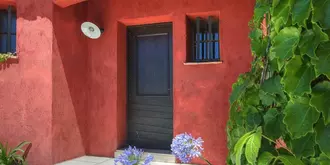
(150, 109)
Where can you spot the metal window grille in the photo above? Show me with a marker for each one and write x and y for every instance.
(7, 30)
(205, 35)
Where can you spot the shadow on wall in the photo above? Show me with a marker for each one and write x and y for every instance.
(70, 84)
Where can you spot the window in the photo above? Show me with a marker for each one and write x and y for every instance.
(204, 40)
(7, 31)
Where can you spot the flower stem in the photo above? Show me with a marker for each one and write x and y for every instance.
(268, 138)
(205, 160)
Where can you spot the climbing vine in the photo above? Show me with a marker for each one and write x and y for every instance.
(280, 109)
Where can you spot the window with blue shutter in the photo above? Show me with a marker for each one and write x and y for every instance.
(204, 40)
(7, 31)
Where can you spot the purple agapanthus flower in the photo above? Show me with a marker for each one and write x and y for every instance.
(185, 147)
(133, 156)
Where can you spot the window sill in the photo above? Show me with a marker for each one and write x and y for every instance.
(11, 60)
(203, 63)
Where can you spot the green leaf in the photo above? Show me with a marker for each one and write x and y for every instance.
(323, 137)
(298, 76)
(252, 96)
(253, 120)
(323, 159)
(273, 85)
(290, 160)
(311, 39)
(265, 158)
(321, 99)
(280, 14)
(273, 126)
(286, 42)
(239, 147)
(235, 134)
(253, 146)
(322, 63)
(300, 12)
(304, 147)
(238, 89)
(260, 10)
(321, 13)
(258, 43)
(266, 98)
(299, 117)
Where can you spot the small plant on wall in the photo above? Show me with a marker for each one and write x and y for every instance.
(5, 56)
(280, 111)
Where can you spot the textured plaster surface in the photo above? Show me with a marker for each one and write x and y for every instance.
(69, 76)
(26, 87)
(66, 3)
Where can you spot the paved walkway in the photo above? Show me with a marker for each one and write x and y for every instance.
(92, 160)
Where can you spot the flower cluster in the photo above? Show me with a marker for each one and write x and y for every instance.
(133, 156)
(185, 147)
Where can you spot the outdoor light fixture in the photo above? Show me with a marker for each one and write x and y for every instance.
(91, 30)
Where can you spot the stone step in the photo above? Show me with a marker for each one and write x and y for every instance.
(159, 155)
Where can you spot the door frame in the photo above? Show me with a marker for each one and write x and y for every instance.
(147, 29)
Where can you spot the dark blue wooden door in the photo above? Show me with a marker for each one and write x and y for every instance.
(150, 109)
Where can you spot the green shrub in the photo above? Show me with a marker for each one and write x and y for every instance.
(280, 111)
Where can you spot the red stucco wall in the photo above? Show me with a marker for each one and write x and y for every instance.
(67, 94)
(70, 102)
(201, 92)
(26, 87)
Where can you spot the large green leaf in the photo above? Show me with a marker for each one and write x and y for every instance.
(311, 39)
(238, 149)
(323, 137)
(265, 158)
(252, 147)
(321, 99)
(300, 12)
(285, 42)
(322, 63)
(304, 147)
(298, 76)
(299, 117)
(280, 14)
(290, 160)
(273, 126)
(321, 12)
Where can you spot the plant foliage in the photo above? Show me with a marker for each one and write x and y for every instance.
(280, 111)
(5, 56)
(12, 156)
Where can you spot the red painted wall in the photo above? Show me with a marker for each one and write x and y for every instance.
(69, 76)
(67, 94)
(26, 87)
(201, 92)
(43, 96)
